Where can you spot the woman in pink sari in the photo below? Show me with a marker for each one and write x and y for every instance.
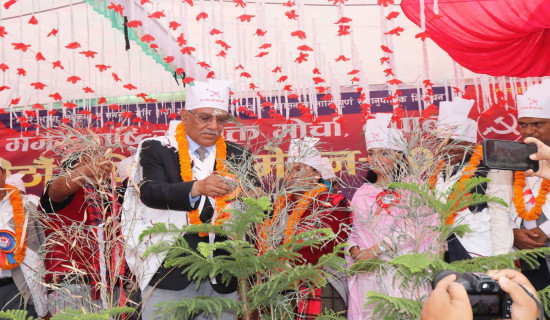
(383, 227)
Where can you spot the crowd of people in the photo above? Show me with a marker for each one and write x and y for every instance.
(184, 178)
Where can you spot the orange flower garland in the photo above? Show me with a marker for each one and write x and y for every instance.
(519, 201)
(468, 172)
(19, 221)
(187, 174)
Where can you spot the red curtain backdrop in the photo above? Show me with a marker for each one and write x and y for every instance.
(494, 37)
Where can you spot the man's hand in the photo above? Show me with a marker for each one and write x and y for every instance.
(448, 301)
(543, 156)
(211, 186)
(523, 307)
(529, 239)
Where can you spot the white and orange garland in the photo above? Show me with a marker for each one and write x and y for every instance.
(468, 172)
(13, 247)
(187, 175)
(519, 201)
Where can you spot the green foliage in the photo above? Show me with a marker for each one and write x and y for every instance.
(544, 297)
(70, 314)
(389, 308)
(15, 315)
(267, 282)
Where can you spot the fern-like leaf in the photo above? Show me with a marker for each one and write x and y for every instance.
(392, 308)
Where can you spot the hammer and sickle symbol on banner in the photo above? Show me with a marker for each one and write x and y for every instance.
(509, 128)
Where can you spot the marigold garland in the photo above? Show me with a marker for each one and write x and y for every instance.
(519, 201)
(468, 172)
(187, 175)
(19, 220)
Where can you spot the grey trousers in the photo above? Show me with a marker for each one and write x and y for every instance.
(153, 296)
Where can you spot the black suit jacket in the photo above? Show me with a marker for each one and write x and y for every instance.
(163, 188)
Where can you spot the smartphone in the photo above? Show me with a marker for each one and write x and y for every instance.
(509, 155)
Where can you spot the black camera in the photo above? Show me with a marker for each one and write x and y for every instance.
(488, 301)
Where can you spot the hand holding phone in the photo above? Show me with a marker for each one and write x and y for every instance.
(509, 155)
(543, 157)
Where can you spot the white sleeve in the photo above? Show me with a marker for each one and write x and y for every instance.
(501, 186)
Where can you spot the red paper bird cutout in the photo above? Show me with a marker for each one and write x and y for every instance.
(141, 95)
(335, 2)
(289, 4)
(30, 113)
(117, 8)
(129, 86)
(174, 25)
(318, 80)
(202, 15)
(282, 79)
(305, 48)
(88, 54)
(56, 96)
(2, 32)
(385, 3)
(298, 33)
(9, 3)
(114, 107)
(261, 54)
(341, 58)
(288, 87)
(52, 33)
(210, 75)
(187, 50)
(73, 45)
(157, 15)
(102, 100)
(239, 3)
(38, 106)
(2, 88)
(190, 2)
(394, 82)
(265, 46)
(395, 31)
(169, 59)
(145, 1)
(204, 64)
(20, 46)
(427, 83)
(38, 85)
(260, 32)
(127, 114)
(115, 77)
(147, 38)
(343, 20)
(384, 60)
(102, 67)
(21, 72)
(52, 112)
(85, 112)
(39, 57)
(188, 80)
(70, 105)
(354, 71)
(389, 72)
(88, 90)
(354, 79)
(277, 69)
(180, 71)
(267, 104)
(221, 54)
(223, 44)
(386, 49)
(291, 15)
(134, 24)
(293, 96)
(252, 86)
(73, 79)
(326, 97)
(33, 20)
(316, 71)
(245, 74)
(57, 64)
(302, 57)
(343, 30)
(65, 120)
(392, 15)
(245, 17)
(422, 35)
(181, 40)
(173, 115)
(215, 31)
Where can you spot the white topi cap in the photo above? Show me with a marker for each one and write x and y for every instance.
(535, 103)
(16, 180)
(211, 94)
(453, 120)
(304, 151)
(379, 135)
(326, 169)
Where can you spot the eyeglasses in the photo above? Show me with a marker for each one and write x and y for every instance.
(207, 118)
